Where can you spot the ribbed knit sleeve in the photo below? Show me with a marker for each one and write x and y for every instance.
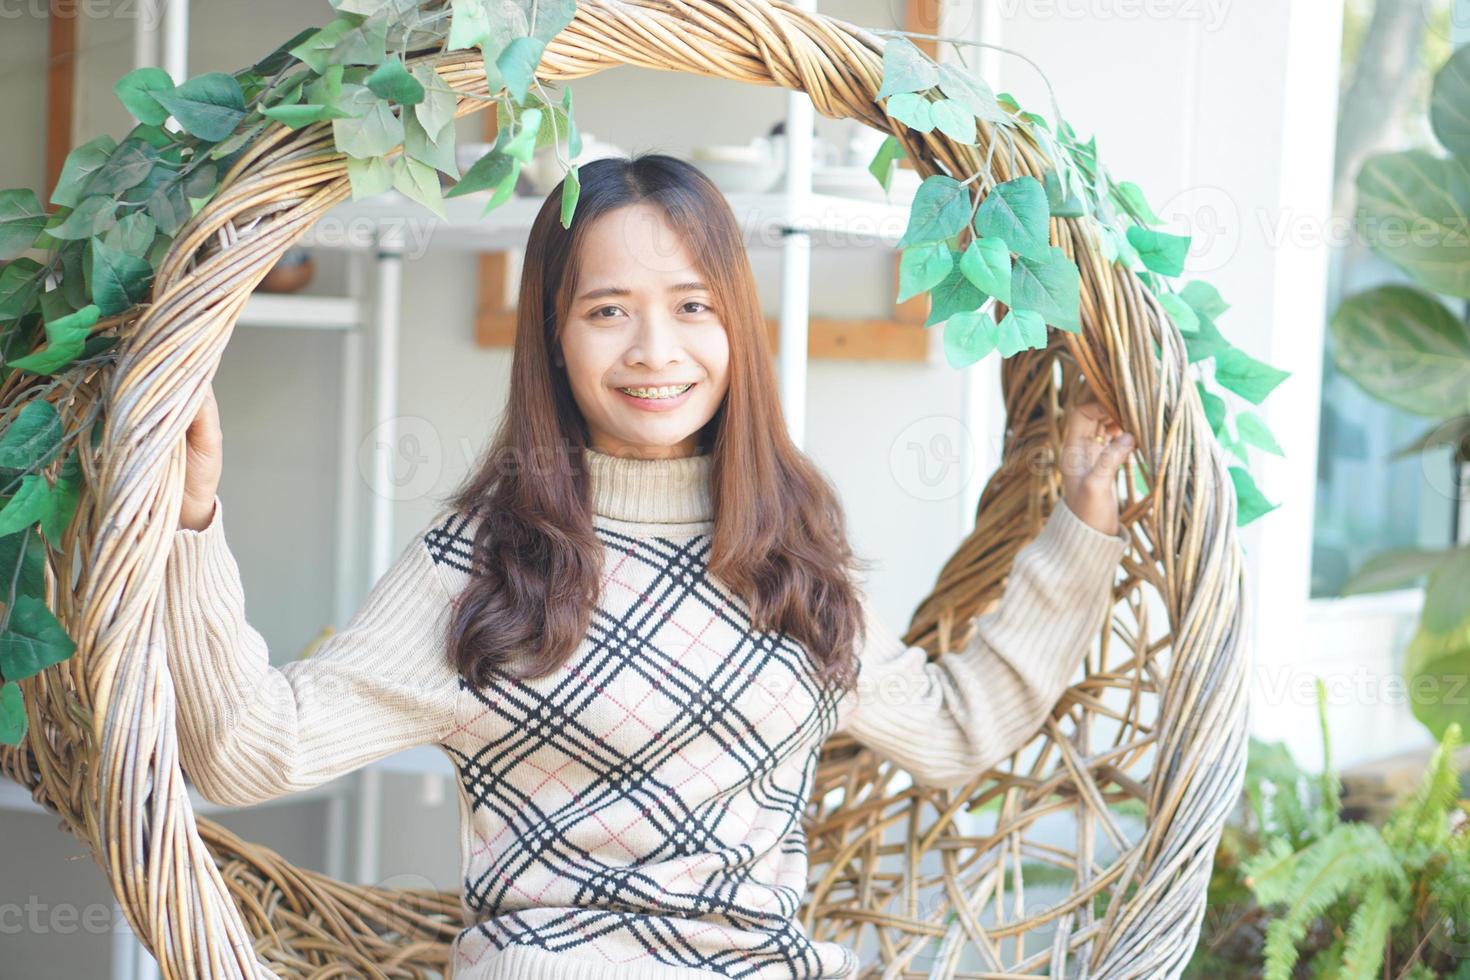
(949, 719)
(249, 731)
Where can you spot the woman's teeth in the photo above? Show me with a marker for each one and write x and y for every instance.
(666, 391)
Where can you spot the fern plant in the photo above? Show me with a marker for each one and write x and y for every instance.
(1300, 892)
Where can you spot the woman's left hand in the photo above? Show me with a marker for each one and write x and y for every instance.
(1094, 445)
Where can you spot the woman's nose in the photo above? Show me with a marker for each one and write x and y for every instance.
(656, 341)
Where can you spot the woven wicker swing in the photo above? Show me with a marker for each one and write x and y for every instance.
(902, 875)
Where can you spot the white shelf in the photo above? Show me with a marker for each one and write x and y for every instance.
(303, 312)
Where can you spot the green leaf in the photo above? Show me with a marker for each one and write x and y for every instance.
(30, 578)
(24, 508)
(922, 267)
(117, 280)
(169, 206)
(317, 49)
(1436, 663)
(956, 294)
(488, 171)
(436, 110)
(62, 501)
(33, 641)
(1181, 312)
(523, 144)
(968, 337)
(1160, 251)
(392, 81)
(914, 111)
(1250, 503)
(1133, 202)
(369, 176)
(986, 262)
(420, 182)
(1449, 103)
(971, 92)
(1403, 346)
(208, 106)
(550, 18)
(1016, 212)
(469, 25)
(518, 62)
(435, 150)
(1068, 206)
(21, 220)
(1020, 330)
(1051, 287)
(133, 233)
(136, 89)
(1253, 380)
(1396, 568)
(1414, 209)
(953, 120)
(64, 340)
(1204, 299)
(1254, 432)
(574, 138)
(883, 161)
(298, 116)
(20, 282)
(940, 209)
(92, 217)
(12, 714)
(1208, 342)
(571, 190)
(364, 44)
(1214, 407)
(79, 165)
(32, 440)
(905, 69)
(375, 133)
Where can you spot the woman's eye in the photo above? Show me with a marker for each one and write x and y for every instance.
(601, 310)
(695, 302)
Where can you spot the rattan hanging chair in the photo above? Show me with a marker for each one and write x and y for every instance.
(1144, 757)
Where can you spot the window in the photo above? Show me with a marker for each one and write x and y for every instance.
(1367, 502)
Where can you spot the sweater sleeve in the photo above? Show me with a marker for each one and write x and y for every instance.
(249, 731)
(948, 719)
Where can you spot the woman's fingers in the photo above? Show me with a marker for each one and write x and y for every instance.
(1105, 467)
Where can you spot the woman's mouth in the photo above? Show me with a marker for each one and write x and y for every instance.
(657, 399)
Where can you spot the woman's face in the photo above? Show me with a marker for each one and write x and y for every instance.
(643, 319)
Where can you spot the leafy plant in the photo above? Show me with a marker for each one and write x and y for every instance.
(1358, 901)
(78, 268)
(1401, 345)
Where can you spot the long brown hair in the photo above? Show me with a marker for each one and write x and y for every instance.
(779, 539)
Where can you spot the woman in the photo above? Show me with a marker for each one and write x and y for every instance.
(635, 624)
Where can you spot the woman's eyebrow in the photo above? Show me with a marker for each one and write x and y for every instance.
(679, 287)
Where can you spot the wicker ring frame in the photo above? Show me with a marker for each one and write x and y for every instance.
(904, 875)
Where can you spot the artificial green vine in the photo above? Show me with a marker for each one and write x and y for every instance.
(73, 273)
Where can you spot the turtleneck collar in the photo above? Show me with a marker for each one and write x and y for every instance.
(653, 491)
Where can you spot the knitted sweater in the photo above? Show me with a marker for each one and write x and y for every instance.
(638, 812)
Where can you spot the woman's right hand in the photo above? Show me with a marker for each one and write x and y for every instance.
(205, 460)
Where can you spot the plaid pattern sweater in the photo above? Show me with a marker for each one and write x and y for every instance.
(638, 813)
